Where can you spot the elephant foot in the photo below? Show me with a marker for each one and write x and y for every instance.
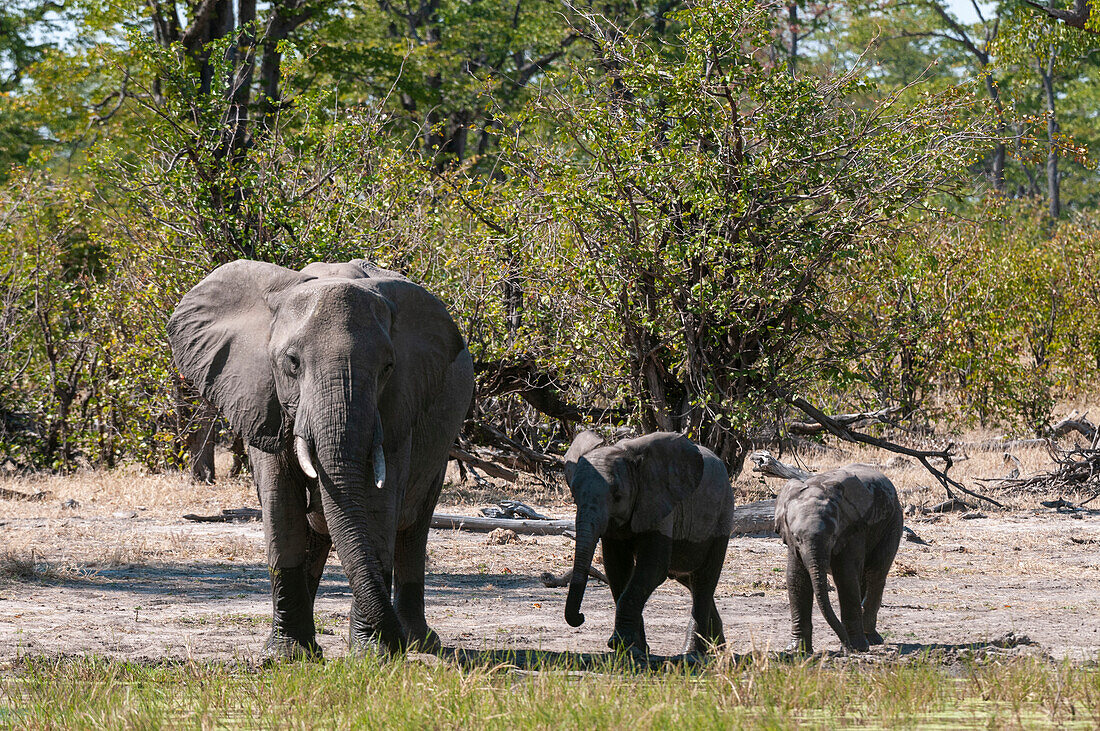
(858, 644)
(280, 647)
(702, 646)
(629, 643)
(364, 639)
(367, 646)
(426, 641)
(874, 638)
(799, 646)
(694, 659)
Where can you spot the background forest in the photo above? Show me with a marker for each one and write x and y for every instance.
(664, 215)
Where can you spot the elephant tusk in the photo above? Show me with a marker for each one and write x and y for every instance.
(301, 450)
(379, 456)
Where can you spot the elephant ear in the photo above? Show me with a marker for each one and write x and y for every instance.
(219, 335)
(665, 470)
(877, 490)
(582, 444)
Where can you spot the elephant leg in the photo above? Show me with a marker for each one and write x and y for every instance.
(652, 553)
(847, 574)
(409, 567)
(706, 625)
(877, 568)
(320, 545)
(287, 533)
(800, 595)
(618, 564)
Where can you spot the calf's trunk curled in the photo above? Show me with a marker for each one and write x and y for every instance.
(582, 561)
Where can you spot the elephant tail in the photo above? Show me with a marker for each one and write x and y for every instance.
(815, 556)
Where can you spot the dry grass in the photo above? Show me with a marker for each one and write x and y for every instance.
(51, 539)
(754, 693)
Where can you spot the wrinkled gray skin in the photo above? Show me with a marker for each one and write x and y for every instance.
(848, 523)
(355, 375)
(663, 507)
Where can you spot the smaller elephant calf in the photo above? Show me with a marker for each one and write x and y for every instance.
(663, 507)
(847, 522)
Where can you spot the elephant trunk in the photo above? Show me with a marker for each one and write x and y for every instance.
(350, 461)
(816, 559)
(350, 517)
(587, 535)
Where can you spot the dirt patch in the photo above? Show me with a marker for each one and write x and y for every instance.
(122, 575)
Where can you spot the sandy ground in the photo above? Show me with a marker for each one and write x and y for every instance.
(122, 574)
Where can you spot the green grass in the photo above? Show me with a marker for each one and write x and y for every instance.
(368, 693)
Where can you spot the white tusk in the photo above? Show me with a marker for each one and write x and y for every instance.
(379, 466)
(301, 450)
(378, 456)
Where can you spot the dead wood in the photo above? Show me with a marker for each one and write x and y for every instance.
(912, 537)
(7, 494)
(921, 455)
(1081, 425)
(1000, 445)
(949, 506)
(231, 515)
(1077, 470)
(557, 581)
(755, 517)
(490, 468)
(479, 524)
(764, 463)
(807, 428)
(532, 460)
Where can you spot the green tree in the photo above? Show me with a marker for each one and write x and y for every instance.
(703, 205)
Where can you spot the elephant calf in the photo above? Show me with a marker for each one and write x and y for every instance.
(847, 522)
(663, 508)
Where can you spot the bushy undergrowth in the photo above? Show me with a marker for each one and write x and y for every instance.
(687, 271)
(754, 693)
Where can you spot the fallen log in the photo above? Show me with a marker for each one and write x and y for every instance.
(1081, 425)
(1001, 445)
(756, 517)
(39, 496)
(557, 581)
(479, 524)
(230, 515)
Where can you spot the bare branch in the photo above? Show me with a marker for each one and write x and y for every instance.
(922, 456)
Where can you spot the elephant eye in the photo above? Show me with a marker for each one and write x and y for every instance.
(387, 370)
(291, 363)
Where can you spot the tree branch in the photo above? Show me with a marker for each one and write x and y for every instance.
(920, 455)
(1076, 18)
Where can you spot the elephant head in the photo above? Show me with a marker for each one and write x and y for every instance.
(322, 360)
(632, 486)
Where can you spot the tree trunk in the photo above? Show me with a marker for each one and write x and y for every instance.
(1053, 183)
(998, 172)
(792, 50)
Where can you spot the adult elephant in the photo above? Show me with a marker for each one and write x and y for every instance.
(349, 383)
